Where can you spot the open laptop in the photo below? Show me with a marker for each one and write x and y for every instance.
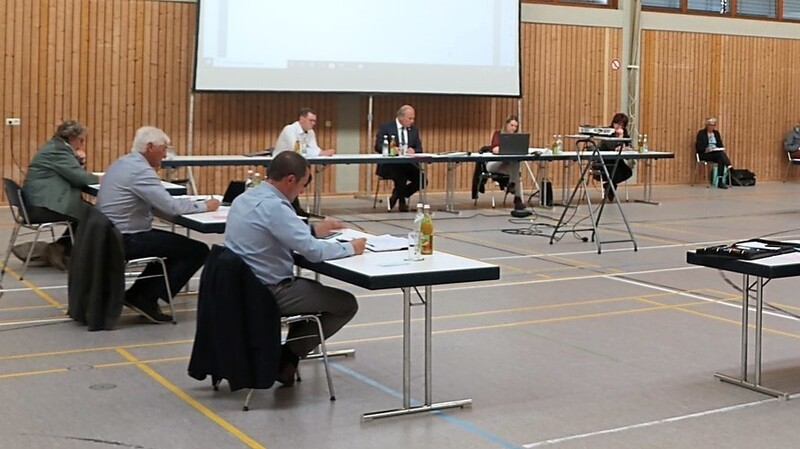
(235, 188)
(514, 144)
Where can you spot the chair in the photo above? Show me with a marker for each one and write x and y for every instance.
(21, 220)
(375, 200)
(792, 163)
(700, 163)
(238, 334)
(481, 175)
(142, 263)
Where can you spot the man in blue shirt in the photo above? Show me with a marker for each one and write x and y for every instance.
(264, 230)
(129, 193)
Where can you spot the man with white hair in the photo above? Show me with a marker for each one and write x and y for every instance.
(130, 192)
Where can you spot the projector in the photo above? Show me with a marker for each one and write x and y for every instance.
(590, 130)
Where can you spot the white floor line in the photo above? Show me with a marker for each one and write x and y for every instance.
(38, 321)
(613, 250)
(648, 424)
(702, 298)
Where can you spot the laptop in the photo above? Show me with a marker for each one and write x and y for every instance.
(514, 144)
(235, 188)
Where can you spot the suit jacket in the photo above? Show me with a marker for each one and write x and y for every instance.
(701, 143)
(390, 129)
(96, 281)
(55, 179)
(238, 335)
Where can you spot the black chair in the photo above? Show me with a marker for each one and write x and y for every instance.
(22, 220)
(481, 175)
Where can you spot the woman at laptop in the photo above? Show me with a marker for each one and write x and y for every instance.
(619, 170)
(510, 126)
(709, 148)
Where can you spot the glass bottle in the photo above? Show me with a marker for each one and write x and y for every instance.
(249, 182)
(297, 145)
(426, 232)
(644, 144)
(385, 147)
(393, 146)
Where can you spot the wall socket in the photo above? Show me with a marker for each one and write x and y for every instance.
(12, 122)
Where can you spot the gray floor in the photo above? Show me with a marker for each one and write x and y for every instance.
(569, 349)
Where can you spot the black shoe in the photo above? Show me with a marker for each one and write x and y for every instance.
(512, 188)
(403, 206)
(723, 186)
(287, 368)
(148, 309)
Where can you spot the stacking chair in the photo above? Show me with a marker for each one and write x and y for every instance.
(375, 200)
(698, 165)
(22, 220)
(238, 334)
(792, 163)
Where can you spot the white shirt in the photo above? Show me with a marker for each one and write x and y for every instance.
(402, 133)
(293, 132)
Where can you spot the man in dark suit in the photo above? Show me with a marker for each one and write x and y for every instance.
(405, 176)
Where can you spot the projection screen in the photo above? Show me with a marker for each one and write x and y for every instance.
(368, 46)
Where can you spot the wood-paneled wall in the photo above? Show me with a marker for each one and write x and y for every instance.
(748, 83)
(118, 64)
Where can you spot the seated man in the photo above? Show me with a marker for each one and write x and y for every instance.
(53, 184)
(265, 231)
(792, 142)
(301, 138)
(405, 176)
(129, 193)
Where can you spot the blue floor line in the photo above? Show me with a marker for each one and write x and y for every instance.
(444, 415)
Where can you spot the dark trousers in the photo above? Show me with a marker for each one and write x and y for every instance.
(406, 180)
(38, 214)
(305, 296)
(720, 157)
(184, 257)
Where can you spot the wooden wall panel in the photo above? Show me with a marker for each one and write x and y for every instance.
(119, 64)
(747, 82)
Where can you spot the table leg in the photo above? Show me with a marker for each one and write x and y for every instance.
(647, 185)
(429, 406)
(742, 381)
(450, 185)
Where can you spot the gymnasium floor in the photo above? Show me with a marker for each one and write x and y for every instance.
(569, 349)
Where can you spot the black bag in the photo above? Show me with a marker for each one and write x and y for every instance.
(742, 177)
(546, 195)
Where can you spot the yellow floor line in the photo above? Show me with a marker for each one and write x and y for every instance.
(36, 289)
(207, 412)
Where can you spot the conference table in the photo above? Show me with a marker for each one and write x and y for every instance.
(763, 270)
(388, 270)
(452, 159)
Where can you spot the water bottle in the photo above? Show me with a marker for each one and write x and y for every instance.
(257, 179)
(414, 237)
(554, 145)
(249, 182)
(644, 144)
(640, 144)
(559, 144)
(385, 147)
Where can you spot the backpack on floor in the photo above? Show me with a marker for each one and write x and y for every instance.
(742, 177)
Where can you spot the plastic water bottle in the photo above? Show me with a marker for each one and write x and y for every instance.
(644, 144)
(248, 184)
(385, 147)
(559, 144)
(257, 179)
(414, 237)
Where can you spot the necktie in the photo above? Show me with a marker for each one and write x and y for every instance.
(402, 136)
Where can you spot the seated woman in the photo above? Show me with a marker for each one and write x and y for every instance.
(510, 126)
(710, 148)
(618, 169)
(53, 184)
(792, 142)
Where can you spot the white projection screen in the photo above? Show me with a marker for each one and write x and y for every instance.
(368, 46)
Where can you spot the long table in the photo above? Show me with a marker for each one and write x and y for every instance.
(452, 160)
(385, 270)
(784, 265)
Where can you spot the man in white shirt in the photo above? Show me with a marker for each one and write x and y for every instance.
(300, 137)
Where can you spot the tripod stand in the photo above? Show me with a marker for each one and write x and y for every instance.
(585, 165)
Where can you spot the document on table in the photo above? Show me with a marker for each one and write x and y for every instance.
(375, 243)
